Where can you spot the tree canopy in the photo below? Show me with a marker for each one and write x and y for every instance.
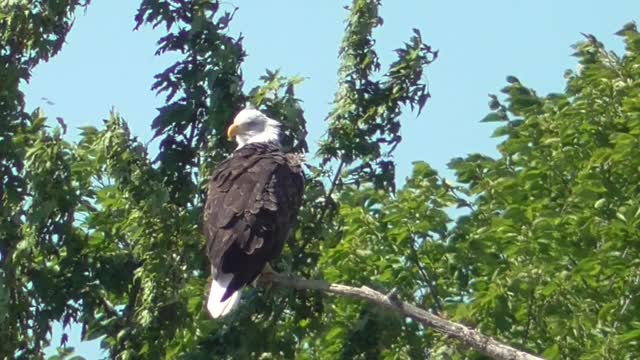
(544, 255)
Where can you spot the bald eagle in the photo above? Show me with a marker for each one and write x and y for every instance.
(252, 205)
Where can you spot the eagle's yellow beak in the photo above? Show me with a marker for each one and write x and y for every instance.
(232, 131)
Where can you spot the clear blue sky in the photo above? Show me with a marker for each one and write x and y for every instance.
(105, 64)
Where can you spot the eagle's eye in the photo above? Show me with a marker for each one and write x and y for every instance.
(255, 124)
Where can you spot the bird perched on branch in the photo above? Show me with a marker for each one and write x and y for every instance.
(252, 205)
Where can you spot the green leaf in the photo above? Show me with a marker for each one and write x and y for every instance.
(630, 336)
(552, 352)
(493, 117)
(512, 79)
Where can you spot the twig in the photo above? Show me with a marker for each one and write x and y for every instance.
(334, 182)
(108, 307)
(324, 210)
(432, 285)
(532, 299)
(482, 343)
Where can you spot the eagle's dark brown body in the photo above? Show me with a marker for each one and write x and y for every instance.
(252, 204)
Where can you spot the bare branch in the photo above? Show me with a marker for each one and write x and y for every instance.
(484, 344)
(432, 285)
(325, 208)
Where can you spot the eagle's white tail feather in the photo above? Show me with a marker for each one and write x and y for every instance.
(219, 308)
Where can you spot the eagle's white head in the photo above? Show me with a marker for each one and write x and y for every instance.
(251, 126)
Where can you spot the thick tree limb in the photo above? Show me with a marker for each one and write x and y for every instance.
(468, 336)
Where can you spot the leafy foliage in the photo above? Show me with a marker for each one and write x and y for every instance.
(544, 257)
(36, 189)
(552, 238)
(364, 126)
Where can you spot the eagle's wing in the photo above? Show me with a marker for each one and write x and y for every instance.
(252, 204)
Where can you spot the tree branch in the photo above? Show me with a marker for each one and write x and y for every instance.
(325, 208)
(432, 285)
(482, 343)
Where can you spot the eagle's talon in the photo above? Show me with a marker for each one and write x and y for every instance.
(393, 295)
(265, 279)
